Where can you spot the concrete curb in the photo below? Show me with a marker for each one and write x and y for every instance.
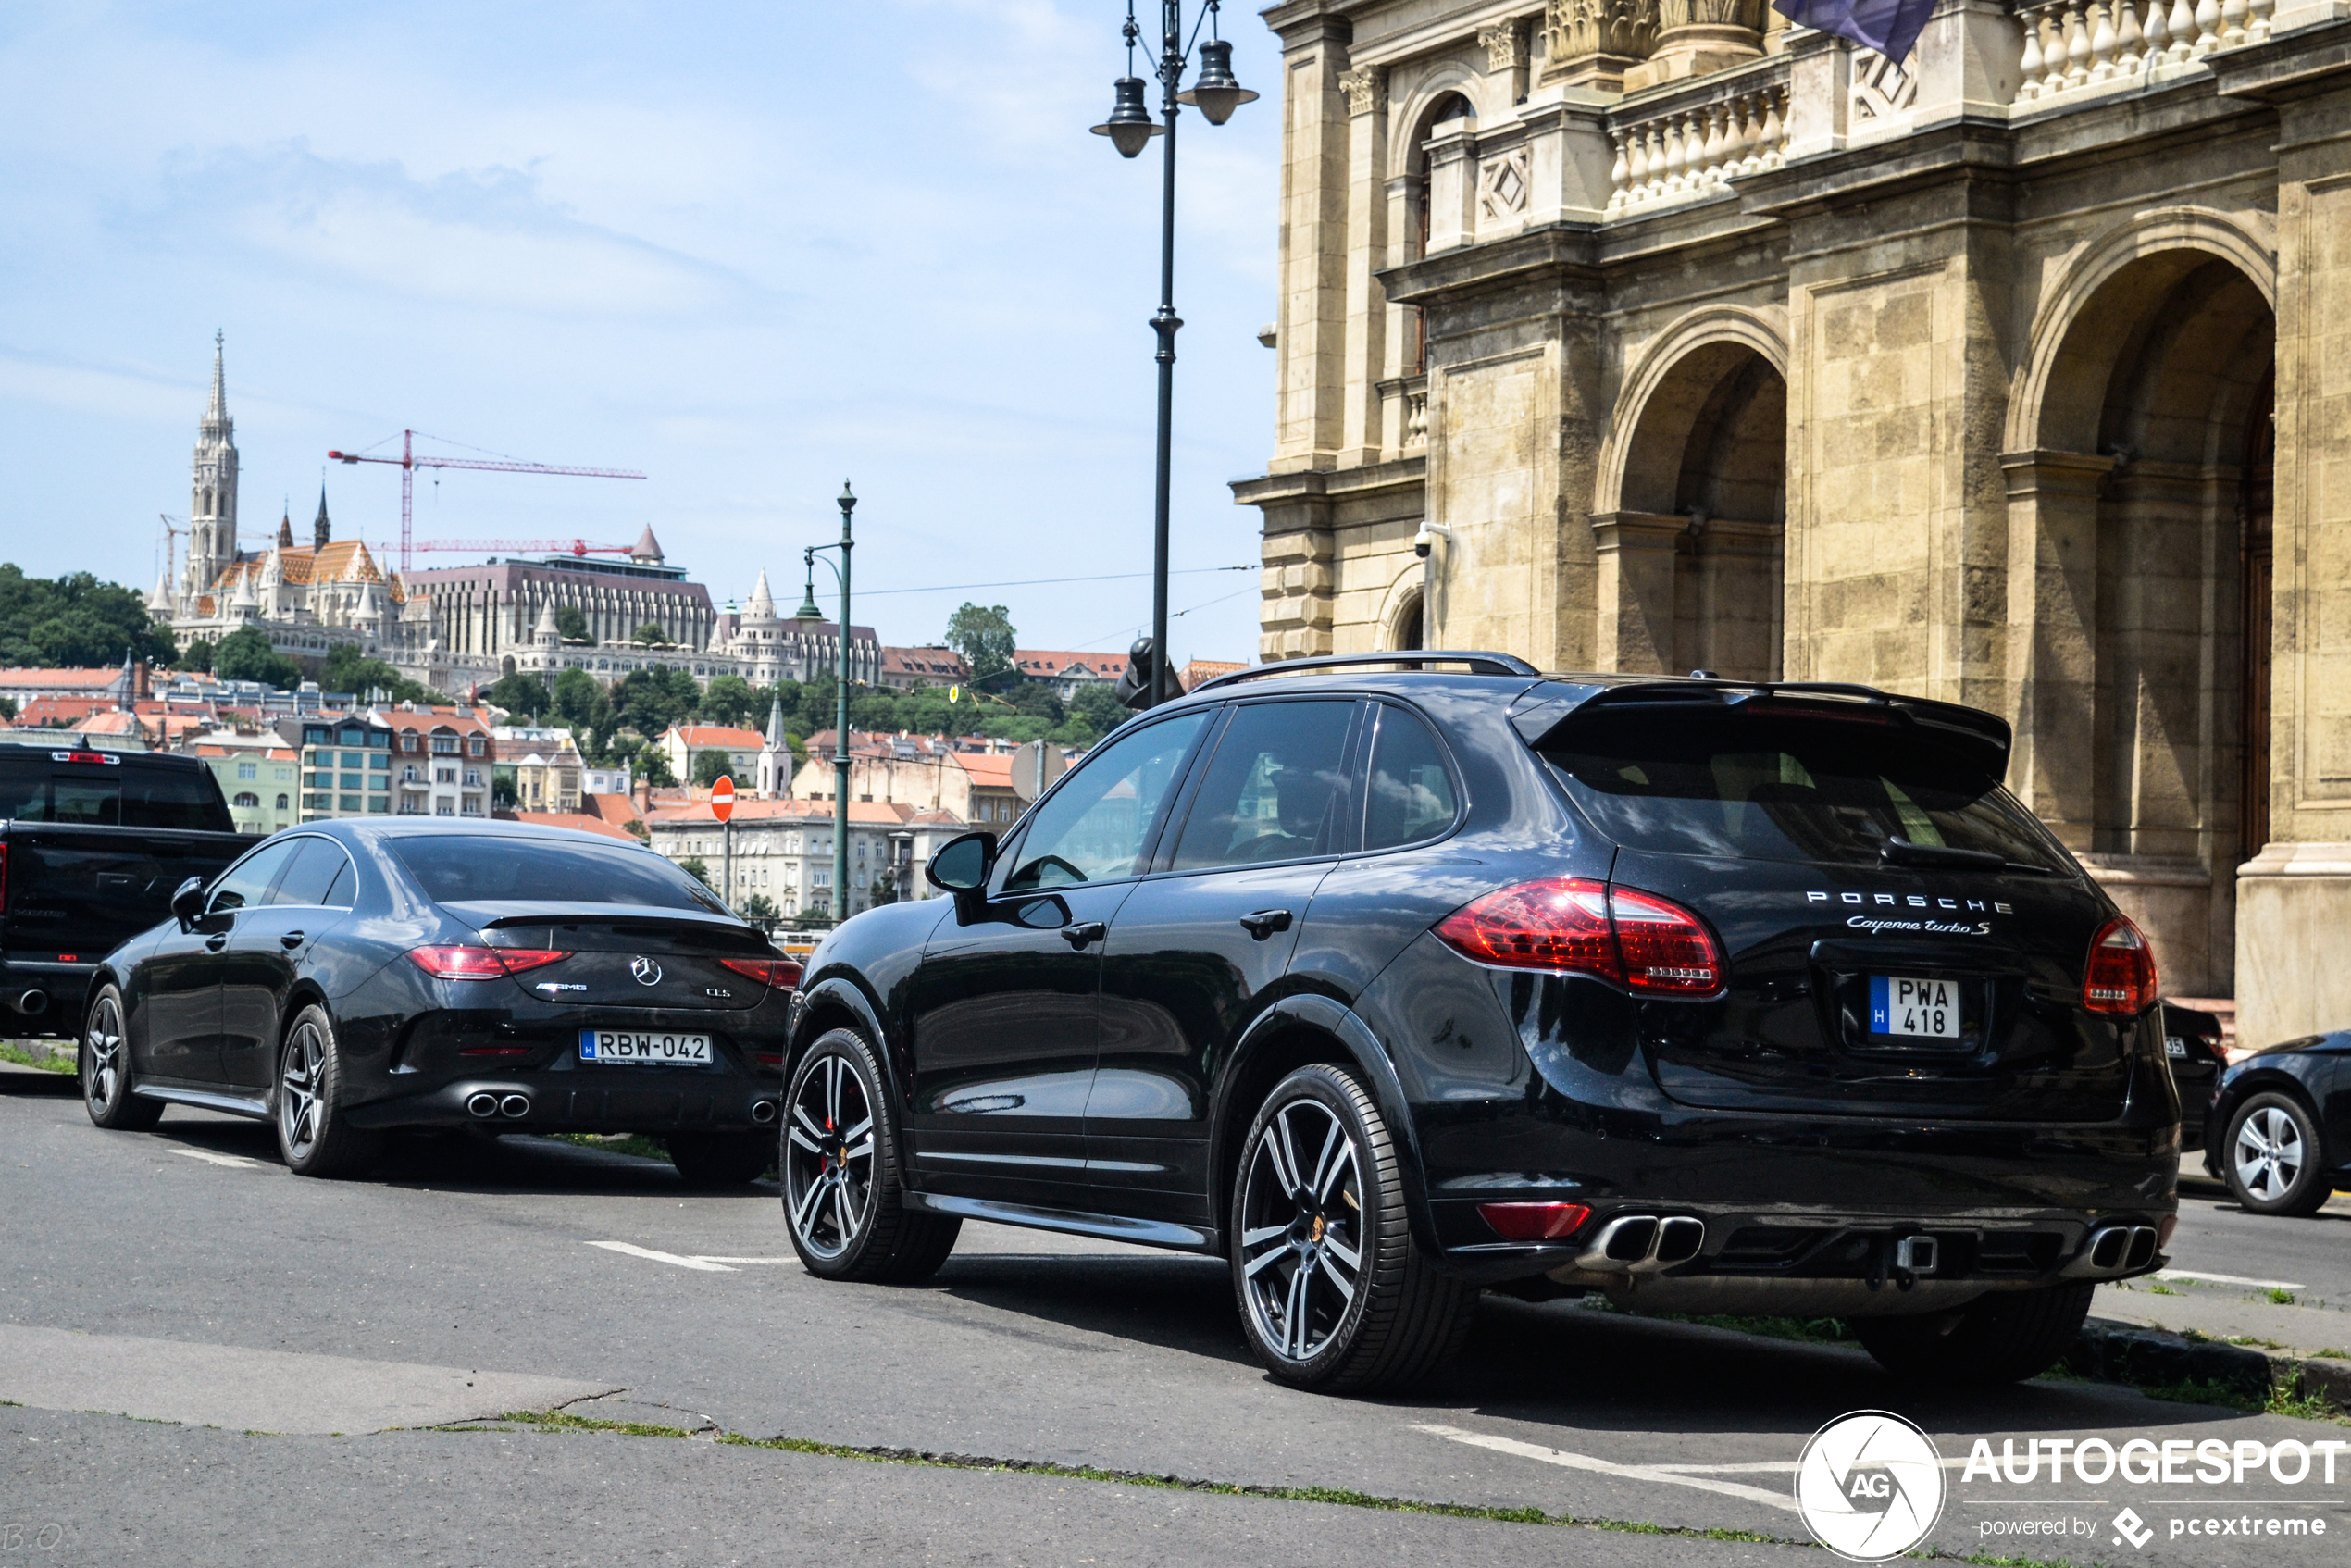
(2123, 1353)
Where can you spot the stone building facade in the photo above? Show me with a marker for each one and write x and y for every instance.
(2014, 373)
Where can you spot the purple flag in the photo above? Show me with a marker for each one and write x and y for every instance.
(1890, 27)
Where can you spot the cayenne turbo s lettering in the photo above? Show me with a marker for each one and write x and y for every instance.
(1392, 984)
(351, 978)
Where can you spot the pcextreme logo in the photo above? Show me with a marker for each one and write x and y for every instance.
(1870, 1486)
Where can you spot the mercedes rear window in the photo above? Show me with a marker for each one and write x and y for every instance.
(485, 867)
(1741, 783)
(35, 787)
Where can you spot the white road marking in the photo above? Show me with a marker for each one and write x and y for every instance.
(703, 1263)
(1604, 1467)
(233, 1161)
(701, 1258)
(2229, 1279)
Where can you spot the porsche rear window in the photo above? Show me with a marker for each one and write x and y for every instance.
(1787, 788)
(485, 867)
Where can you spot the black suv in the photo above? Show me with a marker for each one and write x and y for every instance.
(1389, 983)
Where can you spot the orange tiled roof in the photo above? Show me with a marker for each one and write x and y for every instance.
(95, 679)
(861, 813)
(578, 821)
(719, 735)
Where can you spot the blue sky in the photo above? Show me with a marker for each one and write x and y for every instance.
(747, 249)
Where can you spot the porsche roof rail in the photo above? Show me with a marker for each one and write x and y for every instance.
(1478, 663)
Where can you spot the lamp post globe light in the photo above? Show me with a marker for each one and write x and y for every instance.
(1130, 128)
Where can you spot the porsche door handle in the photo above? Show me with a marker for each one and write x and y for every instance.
(213, 944)
(291, 939)
(1265, 922)
(1084, 932)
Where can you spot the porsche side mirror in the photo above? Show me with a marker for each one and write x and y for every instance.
(187, 903)
(961, 865)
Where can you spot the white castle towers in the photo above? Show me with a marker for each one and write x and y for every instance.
(212, 500)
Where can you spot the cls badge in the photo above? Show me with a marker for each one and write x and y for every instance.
(646, 971)
(718, 991)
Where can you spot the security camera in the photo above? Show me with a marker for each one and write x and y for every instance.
(1430, 533)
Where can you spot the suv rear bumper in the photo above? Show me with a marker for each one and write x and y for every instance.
(43, 998)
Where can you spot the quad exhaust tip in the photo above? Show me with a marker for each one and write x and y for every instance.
(483, 1104)
(33, 1003)
(1643, 1244)
(515, 1105)
(763, 1113)
(2112, 1249)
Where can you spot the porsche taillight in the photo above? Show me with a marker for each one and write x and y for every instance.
(2118, 977)
(1572, 925)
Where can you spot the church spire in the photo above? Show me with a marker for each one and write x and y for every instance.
(216, 413)
(320, 529)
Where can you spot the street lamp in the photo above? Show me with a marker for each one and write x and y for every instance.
(1129, 128)
(808, 611)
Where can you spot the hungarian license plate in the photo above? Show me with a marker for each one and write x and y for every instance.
(634, 1046)
(1927, 1009)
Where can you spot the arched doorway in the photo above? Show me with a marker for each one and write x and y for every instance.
(1407, 630)
(1446, 108)
(1698, 542)
(2161, 394)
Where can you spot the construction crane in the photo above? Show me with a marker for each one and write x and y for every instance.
(525, 547)
(409, 463)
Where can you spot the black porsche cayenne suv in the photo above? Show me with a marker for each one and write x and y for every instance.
(346, 978)
(1389, 980)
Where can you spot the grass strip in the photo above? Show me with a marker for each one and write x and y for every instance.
(45, 1060)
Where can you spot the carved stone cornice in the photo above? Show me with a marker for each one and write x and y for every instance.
(1505, 45)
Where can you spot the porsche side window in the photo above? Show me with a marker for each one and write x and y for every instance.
(1094, 827)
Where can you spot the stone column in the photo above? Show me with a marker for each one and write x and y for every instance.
(1569, 156)
(1638, 551)
(1820, 87)
(1298, 577)
(1312, 317)
(1453, 184)
(1507, 48)
(1591, 44)
(1698, 37)
(1367, 221)
(2294, 899)
(2053, 585)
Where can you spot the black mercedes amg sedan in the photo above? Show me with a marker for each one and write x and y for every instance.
(2278, 1129)
(1389, 980)
(349, 978)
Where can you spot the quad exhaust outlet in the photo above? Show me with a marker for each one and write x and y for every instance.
(1642, 1244)
(2112, 1249)
(763, 1113)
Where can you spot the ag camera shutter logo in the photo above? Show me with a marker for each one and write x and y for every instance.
(1870, 1486)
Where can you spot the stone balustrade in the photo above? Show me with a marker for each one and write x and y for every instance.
(1690, 143)
(1416, 413)
(2070, 44)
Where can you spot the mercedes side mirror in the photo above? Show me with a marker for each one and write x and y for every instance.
(187, 903)
(961, 865)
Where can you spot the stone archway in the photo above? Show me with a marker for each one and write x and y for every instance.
(2143, 646)
(1691, 533)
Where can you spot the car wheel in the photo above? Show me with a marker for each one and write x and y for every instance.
(842, 1166)
(1334, 1295)
(2272, 1159)
(315, 1136)
(721, 1159)
(105, 1063)
(2004, 1338)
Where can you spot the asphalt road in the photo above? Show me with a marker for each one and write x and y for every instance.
(214, 1361)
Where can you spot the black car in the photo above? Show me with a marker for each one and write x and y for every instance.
(2279, 1129)
(349, 978)
(1388, 984)
(2193, 1044)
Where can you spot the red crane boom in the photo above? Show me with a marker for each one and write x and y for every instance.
(409, 463)
(556, 546)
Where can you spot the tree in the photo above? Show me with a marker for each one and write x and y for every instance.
(693, 866)
(1097, 706)
(8, 707)
(884, 891)
(525, 693)
(245, 654)
(653, 767)
(984, 637)
(76, 621)
(572, 625)
(760, 910)
(650, 634)
(729, 699)
(347, 669)
(196, 656)
(576, 696)
(650, 701)
(710, 767)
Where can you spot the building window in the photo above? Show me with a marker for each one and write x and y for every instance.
(281, 803)
(246, 800)
(444, 809)
(473, 745)
(348, 802)
(473, 776)
(408, 742)
(248, 770)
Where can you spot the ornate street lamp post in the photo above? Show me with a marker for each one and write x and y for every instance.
(808, 611)
(1129, 128)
